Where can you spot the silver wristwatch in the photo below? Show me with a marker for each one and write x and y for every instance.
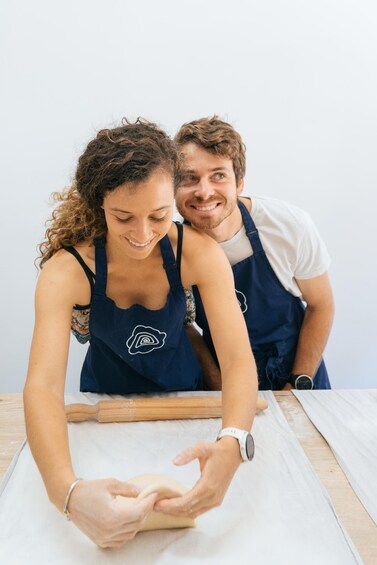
(301, 381)
(245, 440)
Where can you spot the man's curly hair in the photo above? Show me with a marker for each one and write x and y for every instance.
(217, 137)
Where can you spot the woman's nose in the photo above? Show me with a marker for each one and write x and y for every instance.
(142, 232)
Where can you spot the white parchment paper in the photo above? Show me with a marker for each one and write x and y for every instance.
(347, 419)
(275, 511)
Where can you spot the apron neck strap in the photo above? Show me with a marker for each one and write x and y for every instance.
(251, 230)
(170, 264)
(101, 266)
(168, 258)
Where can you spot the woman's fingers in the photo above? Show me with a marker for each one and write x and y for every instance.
(199, 451)
(218, 464)
(94, 510)
(133, 520)
(195, 502)
(123, 488)
(133, 516)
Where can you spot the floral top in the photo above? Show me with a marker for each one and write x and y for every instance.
(80, 317)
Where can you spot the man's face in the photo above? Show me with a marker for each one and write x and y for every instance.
(208, 192)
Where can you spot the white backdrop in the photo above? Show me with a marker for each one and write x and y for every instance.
(297, 79)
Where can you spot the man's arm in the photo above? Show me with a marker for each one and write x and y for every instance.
(210, 369)
(316, 326)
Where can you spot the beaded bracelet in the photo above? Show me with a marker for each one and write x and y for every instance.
(68, 497)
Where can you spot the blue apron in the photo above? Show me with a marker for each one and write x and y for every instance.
(273, 316)
(135, 349)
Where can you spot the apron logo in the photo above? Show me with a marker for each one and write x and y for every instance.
(145, 339)
(241, 301)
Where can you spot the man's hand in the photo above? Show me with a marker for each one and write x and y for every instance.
(316, 325)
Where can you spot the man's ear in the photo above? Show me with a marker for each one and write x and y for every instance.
(240, 186)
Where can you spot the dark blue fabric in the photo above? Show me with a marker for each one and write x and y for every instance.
(136, 349)
(273, 316)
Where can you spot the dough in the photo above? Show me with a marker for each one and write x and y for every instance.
(166, 488)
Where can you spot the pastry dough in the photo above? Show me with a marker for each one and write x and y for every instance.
(166, 488)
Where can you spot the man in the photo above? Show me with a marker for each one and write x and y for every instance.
(278, 258)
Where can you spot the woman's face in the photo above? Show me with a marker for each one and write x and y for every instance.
(139, 216)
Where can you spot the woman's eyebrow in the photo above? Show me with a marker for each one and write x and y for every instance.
(127, 212)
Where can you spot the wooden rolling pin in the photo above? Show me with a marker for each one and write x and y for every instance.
(142, 409)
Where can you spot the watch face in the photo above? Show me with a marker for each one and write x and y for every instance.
(303, 382)
(250, 447)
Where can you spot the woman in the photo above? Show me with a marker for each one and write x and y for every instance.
(114, 268)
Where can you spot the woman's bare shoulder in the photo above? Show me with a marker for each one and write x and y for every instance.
(201, 257)
(63, 260)
(193, 238)
(64, 273)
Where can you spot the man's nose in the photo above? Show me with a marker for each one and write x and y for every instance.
(204, 189)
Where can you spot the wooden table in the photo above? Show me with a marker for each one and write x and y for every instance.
(351, 512)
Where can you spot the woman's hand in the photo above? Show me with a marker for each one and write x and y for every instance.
(93, 509)
(218, 463)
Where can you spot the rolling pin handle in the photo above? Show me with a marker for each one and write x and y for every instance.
(81, 412)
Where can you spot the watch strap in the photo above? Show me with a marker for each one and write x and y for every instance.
(293, 378)
(240, 435)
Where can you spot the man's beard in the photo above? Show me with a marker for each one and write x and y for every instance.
(210, 223)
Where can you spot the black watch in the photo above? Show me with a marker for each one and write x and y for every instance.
(301, 382)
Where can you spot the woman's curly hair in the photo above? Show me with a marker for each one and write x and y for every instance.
(129, 153)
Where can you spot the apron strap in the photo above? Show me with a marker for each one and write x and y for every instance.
(179, 247)
(89, 274)
(251, 230)
(101, 267)
(171, 265)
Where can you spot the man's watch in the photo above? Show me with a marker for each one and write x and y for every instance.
(245, 440)
(301, 382)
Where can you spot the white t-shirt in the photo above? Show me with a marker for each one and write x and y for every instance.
(289, 238)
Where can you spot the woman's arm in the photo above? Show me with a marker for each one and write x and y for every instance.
(92, 504)
(215, 283)
(44, 390)
(205, 265)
